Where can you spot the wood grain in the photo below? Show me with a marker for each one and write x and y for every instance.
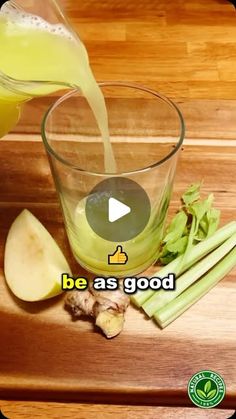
(44, 355)
(206, 119)
(186, 50)
(29, 410)
(142, 30)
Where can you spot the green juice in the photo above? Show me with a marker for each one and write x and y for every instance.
(92, 251)
(35, 50)
(9, 116)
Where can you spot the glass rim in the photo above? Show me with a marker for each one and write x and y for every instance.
(73, 92)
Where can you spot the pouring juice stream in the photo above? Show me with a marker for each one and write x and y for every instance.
(35, 50)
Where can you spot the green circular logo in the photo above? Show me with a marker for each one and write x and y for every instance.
(206, 389)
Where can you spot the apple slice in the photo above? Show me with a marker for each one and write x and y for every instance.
(33, 261)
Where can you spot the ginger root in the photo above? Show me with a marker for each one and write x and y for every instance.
(107, 307)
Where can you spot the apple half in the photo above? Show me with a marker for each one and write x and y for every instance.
(33, 261)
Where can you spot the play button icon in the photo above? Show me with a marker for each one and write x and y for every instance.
(118, 209)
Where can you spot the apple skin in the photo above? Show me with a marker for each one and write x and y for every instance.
(33, 262)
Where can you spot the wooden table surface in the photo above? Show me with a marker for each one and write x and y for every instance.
(185, 49)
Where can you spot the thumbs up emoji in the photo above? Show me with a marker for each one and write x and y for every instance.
(118, 257)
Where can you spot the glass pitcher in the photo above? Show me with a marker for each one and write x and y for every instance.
(39, 54)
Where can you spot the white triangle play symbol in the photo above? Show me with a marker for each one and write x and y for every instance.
(117, 210)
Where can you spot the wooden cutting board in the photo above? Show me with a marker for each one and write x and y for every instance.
(45, 355)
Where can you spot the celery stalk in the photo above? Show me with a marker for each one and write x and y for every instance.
(185, 300)
(196, 253)
(161, 298)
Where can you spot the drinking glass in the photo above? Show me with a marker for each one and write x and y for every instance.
(146, 133)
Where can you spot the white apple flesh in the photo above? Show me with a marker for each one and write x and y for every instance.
(33, 261)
